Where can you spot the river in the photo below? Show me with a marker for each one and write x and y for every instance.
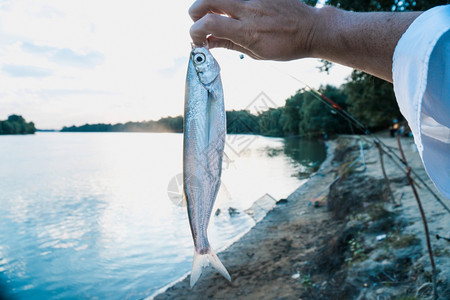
(97, 215)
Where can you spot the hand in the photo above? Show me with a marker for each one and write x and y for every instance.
(262, 29)
(290, 29)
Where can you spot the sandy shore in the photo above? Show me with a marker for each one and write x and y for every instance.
(301, 251)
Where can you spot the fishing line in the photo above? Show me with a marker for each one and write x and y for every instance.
(343, 113)
(324, 99)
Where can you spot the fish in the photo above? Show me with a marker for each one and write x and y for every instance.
(203, 148)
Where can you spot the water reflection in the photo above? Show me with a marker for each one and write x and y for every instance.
(307, 154)
(88, 215)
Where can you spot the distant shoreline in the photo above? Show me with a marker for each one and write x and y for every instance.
(168, 124)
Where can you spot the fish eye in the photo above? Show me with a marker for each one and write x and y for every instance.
(199, 58)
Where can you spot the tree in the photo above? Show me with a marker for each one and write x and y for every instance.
(386, 5)
(167, 124)
(16, 124)
(292, 110)
(171, 124)
(270, 122)
(16, 118)
(317, 118)
(371, 100)
(242, 121)
(6, 127)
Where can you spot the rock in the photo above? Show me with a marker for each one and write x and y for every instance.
(233, 211)
(282, 201)
(344, 198)
(377, 294)
(384, 224)
(381, 237)
(261, 207)
(425, 290)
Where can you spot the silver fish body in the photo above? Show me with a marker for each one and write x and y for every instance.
(204, 142)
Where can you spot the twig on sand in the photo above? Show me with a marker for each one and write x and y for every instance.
(388, 184)
(424, 220)
(391, 154)
(442, 237)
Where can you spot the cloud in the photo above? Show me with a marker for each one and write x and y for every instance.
(65, 56)
(26, 71)
(178, 63)
(36, 49)
(5, 4)
(68, 92)
(46, 11)
(69, 57)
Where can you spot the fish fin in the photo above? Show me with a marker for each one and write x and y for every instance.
(203, 260)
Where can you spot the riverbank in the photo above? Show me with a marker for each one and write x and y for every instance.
(364, 247)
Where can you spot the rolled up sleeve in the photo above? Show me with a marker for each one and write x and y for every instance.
(421, 75)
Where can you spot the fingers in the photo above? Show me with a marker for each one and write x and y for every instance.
(214, 42)
(219, 26)
(228, 7)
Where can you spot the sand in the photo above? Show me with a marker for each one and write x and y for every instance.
(303, 251)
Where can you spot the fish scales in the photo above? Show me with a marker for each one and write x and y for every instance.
(204, 142)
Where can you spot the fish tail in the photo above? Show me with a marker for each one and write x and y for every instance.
(203, 260)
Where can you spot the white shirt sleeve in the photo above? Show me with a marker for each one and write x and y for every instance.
(421, 74)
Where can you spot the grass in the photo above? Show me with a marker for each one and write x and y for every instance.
(357, 252)
(377, 212)
(441, 252)
(403, 241)
(345, 168)
(306, 281)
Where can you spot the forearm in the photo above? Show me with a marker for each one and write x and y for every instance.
(290, 29)
(364, 41)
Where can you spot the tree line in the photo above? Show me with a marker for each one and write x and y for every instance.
(167, 124)
(16, 124)
(302, 114)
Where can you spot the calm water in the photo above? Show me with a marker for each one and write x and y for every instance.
(89, 214)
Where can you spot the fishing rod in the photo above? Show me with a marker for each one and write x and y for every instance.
(379, 141)
(324, 99)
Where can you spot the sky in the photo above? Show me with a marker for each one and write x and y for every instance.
(66, 63)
